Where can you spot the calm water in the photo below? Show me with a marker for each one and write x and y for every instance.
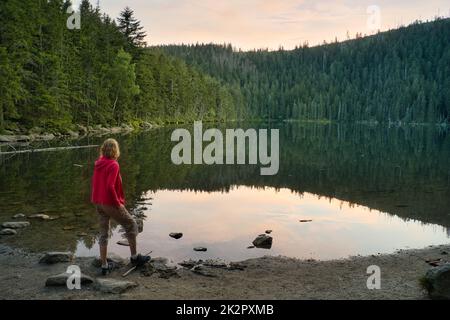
(367, 190)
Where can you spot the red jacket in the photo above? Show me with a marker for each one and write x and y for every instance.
(107, 183)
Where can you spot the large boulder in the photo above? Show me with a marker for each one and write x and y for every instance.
(15, 225)
(263, 241)
(437, 282)
(61, 280)
(114, 286)
(56, 257)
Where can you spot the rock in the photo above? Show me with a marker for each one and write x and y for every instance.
(123, 243)
(16, 225)
(19, 216)
(303, 221)
(5, 249)
(7, 139)
(444, 253)
(176, 235)
(40, 216)
(56, 257)
(263, 241)
(82, 234)
(68, 228)
(201, 270)
(251, 247)
(82, 129)
(114, 286)
(268, 231)
(45, 137)
(200, 249)
(215, 264)
(22, 138)
(116, 260)
(73, 134)
(236, 266)
(437, 282)
(36, 130)
(61, 280)
(190, 263)
(7, 232)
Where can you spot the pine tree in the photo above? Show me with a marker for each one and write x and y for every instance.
(131, 28)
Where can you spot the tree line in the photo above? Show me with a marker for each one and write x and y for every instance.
(54, 77)
(401, 75)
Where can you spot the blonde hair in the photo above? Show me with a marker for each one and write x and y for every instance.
(110, 149)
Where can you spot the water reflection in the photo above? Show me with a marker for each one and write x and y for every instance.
(404, 172)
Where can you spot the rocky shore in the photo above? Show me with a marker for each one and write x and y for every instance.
(43, 276)
(21, 136)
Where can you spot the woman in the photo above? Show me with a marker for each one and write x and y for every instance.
(107, 195)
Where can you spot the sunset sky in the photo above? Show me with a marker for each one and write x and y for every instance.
(250, 24)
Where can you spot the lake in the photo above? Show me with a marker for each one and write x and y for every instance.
(366, 189)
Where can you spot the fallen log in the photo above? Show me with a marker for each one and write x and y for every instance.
(47, 149)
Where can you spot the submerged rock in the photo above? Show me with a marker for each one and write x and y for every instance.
(16, 225)
(263, 241)
(200, 249)
(176, 235)
(114, 286)
(56, 257)
(61, 280)
(7, 232)
(437, 282)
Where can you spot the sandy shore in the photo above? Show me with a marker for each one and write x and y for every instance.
(22, 277)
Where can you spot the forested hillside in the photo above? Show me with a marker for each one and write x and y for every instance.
(53, 77)
(401, 75)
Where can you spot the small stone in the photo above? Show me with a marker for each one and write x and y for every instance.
(40, 216)
(82, 234)
(251, 247)
(16, 225)
(176, 235)
(19, 216)
(114, 286)
(7, 232)
(268, 231)
(56, 257)
(304, 221)
(444, 253)
(263, 241)
(68, 228)
(200, 249)
(61, 280)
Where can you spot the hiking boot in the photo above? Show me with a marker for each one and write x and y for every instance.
(139, 260)
(108, 269)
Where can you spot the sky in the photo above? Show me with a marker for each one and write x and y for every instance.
(255, 24)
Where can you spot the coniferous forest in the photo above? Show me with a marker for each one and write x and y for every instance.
(54, 77)
(401, 75)
(103, 73)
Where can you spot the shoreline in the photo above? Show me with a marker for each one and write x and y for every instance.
(23, 277)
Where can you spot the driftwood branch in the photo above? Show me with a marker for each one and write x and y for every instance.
(48, 149)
